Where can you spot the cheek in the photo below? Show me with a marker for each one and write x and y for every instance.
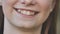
(7, 6)
(9, 2)
(44, 4)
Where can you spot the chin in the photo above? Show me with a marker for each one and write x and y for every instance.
(24, 24)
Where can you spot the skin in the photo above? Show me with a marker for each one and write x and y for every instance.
(17, 21)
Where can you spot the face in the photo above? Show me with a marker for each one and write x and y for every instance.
(27, 13)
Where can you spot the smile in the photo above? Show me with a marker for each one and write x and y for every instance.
(26, 11)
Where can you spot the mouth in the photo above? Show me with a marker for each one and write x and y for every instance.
(26, 12)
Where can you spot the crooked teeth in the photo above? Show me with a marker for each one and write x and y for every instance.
(26, 12)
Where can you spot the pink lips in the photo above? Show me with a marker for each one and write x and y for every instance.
(26, 9)
(26, 16)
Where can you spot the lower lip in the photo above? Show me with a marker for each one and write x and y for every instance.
(25, 16)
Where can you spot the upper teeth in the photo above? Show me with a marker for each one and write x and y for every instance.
(26, 12)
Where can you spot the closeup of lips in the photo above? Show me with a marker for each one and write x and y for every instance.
(26, 12)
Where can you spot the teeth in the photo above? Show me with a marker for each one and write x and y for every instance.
(19, 11)
(32, 13)
(23, 12)
(26, 12)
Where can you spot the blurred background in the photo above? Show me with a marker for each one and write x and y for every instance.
(58, 18)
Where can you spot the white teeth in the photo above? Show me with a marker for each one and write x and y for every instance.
(26, 12)
(23, 12)
(19, 10)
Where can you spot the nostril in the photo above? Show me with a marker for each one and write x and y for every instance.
(22, 1)
(26, 2)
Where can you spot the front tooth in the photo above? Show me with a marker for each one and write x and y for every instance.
(28, 13)
(23, 12)
(19, 10)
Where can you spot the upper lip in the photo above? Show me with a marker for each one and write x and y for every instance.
(26, 9)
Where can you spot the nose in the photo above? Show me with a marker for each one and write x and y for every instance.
(28, 2)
